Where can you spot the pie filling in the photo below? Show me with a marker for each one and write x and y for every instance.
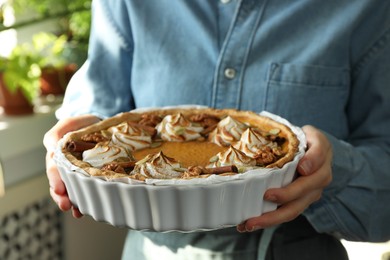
(176, 143)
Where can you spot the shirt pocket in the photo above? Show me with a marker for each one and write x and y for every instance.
(307, 94)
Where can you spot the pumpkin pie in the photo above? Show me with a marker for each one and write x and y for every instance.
(180, 143)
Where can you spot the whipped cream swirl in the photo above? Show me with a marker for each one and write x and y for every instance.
(104, 153)
(227, 131)
(233, 156)
(157, 166)
(251, 143)
(178, 128)
(130, 137)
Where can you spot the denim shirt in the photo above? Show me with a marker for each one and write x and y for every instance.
(324, 63)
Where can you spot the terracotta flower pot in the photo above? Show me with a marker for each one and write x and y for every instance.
(14, 103)
(54, 81)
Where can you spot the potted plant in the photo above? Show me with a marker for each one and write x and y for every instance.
(33, 69)
(56, 71)
(19, 80)
(72, 17)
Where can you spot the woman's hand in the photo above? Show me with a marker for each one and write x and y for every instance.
(57, 188)
(315, 173)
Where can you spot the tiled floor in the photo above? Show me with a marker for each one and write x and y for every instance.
(33, 232)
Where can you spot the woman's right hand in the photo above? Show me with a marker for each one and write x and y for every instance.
(57, 188)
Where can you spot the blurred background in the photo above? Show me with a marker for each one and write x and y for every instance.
(42, 44)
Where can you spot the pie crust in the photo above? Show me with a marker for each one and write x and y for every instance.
(198, 152)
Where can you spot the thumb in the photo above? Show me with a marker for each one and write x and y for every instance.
(318, 151)
(64, 126)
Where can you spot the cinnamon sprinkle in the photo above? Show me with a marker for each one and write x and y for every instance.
(150, 130)
(79, 146)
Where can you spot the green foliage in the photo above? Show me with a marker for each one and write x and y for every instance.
(22, 69)
(73, 15)
(50, 48)
(80, 25)
(44, 7)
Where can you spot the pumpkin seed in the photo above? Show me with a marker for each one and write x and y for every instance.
(274, 131)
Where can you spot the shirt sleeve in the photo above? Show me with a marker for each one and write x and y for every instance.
(102, 85)
(355, 206)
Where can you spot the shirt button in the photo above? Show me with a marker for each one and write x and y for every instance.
(230, 73)
(225, 1)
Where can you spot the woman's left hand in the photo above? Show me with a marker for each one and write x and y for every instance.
(315, 173)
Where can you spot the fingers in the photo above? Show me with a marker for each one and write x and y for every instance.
(62, 201)
(285, 213)
(55, 181)
(57, 187)
(76, 213)
(64, 204)
(298, 188)
(294, 199)
(318, 151)
(64, 126)
(315, 174)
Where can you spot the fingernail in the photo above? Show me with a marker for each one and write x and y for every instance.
(241, 229)
(271, 198)
(254, 228)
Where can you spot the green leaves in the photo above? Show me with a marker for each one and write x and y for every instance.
(49, 48)
(23, 68)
